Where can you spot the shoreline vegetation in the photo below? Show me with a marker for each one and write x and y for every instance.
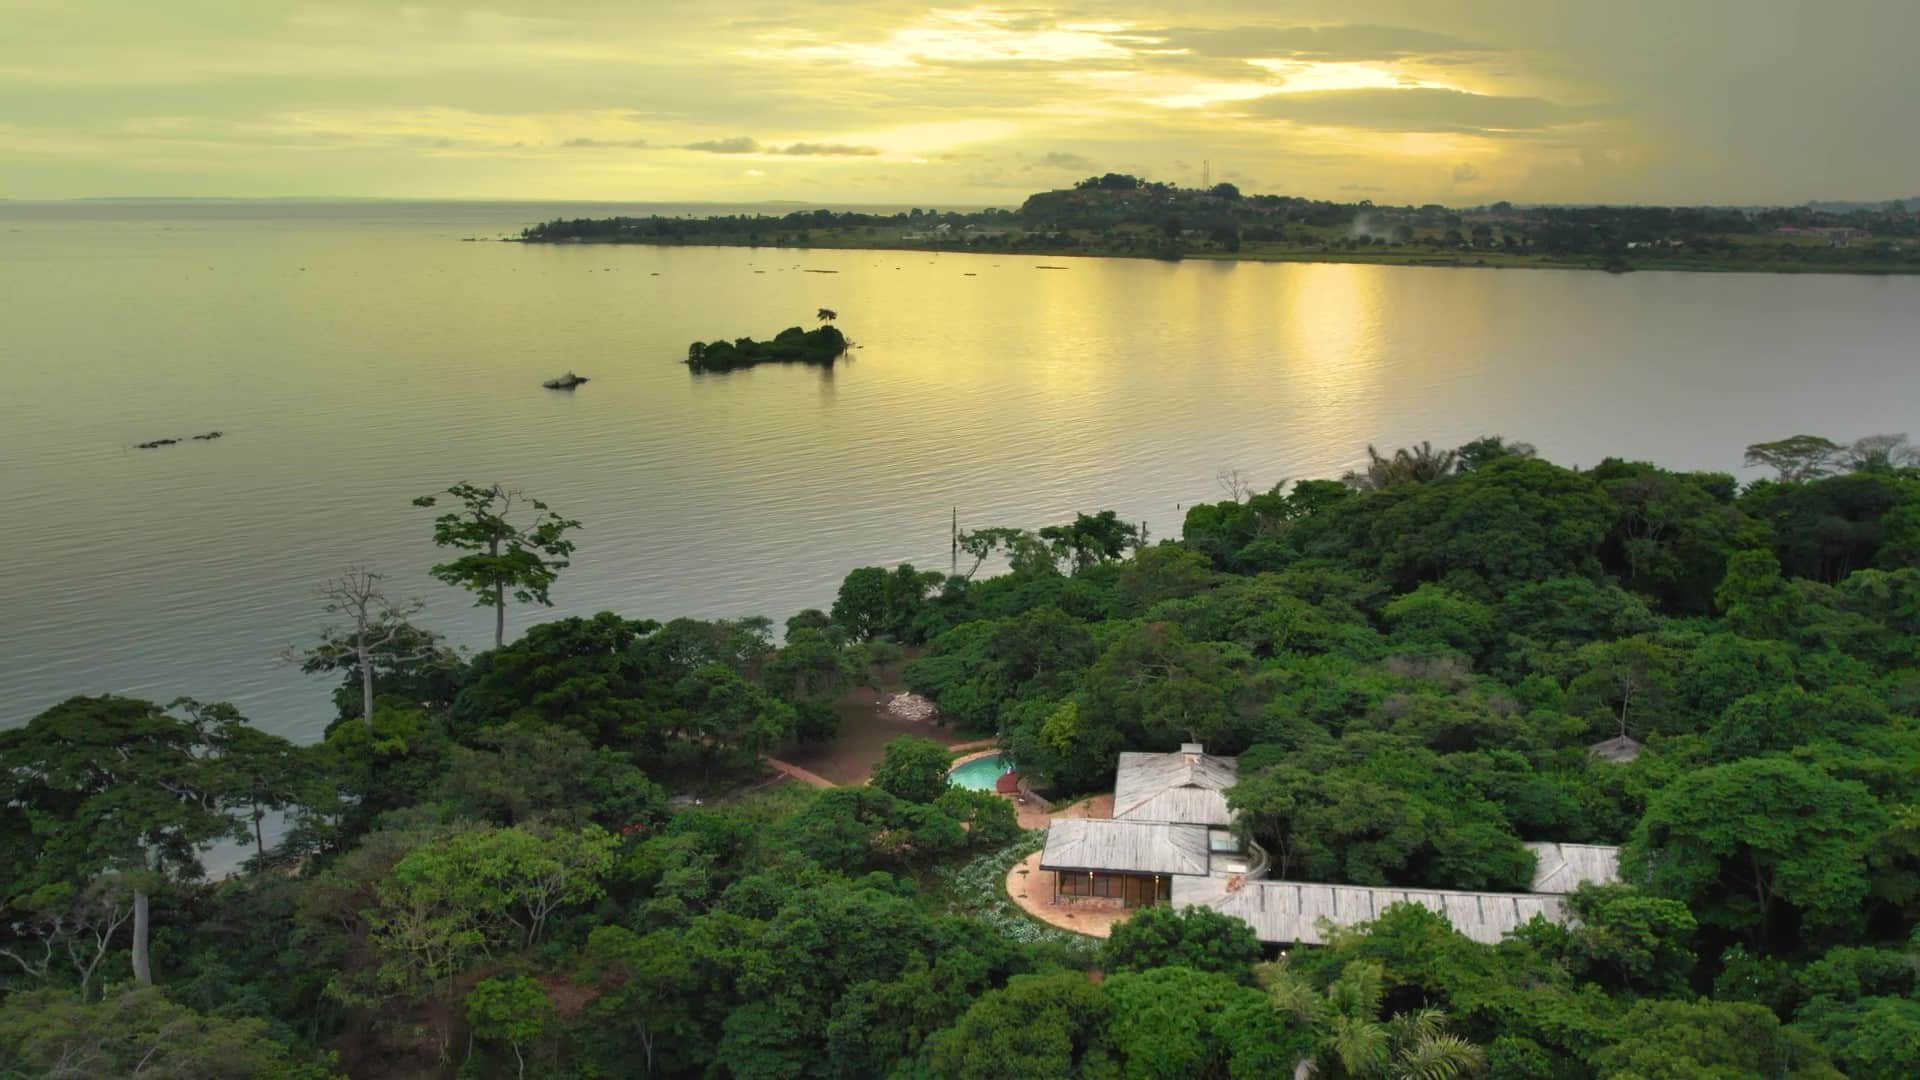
(821, 347)
(568, 855)
(1121, 216)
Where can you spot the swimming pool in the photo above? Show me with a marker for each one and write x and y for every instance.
(981, 773)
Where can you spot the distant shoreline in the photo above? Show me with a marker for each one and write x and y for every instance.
(1488, 260)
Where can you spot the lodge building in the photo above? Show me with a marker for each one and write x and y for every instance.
(1171, 841)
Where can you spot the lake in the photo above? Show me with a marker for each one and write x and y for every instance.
(357, 355)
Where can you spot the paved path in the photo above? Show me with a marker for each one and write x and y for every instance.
(799, 773)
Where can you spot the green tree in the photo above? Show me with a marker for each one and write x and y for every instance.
(1156, 689)
(874, 602)
(1432, 616)
(1870, 1038)
(1683, 1040)
(119, 785)
(1199, 938)
(1092, 540)
(1165, 572)
(1489, 448)
(1037, 1025)
(913, 769)
(511, 1009)
(1179, 1022)
(1025, 551)
(720, 711)
(654, 993)
(467, 893)
(60, 921)
(138, 1032)
(503, 555)
(1630, 942)
(1415, 465)
(595, 676)
(1796, 458)
(1759, 846)
(1625, 686)
(518, 774)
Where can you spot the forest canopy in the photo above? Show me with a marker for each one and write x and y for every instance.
(563, 857)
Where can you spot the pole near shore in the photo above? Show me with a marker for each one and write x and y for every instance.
(954, 536)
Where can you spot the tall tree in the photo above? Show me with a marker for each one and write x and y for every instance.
(116, 784)
(60, 920)
(1415, 465)
(503, 555)
(1095, 539)
(377, 633)
(1880, 453)
(1759, 844)
(1797, 457)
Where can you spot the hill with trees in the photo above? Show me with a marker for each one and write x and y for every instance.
(562, 857)
(1122, 215)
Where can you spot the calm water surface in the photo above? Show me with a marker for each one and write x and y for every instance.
(357, 356)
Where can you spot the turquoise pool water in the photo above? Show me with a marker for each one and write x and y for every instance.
(979, 775)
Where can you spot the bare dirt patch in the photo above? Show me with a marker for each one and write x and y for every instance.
(867, 725)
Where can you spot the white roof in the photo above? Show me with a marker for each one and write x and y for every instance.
(1187, 786)
(1286, 911)
(1563, 867)
(1134, 847)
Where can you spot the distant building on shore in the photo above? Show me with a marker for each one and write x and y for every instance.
(1836, 236)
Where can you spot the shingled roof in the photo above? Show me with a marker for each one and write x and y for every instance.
(1287, 912)
(1188, 786)
(1133, 847)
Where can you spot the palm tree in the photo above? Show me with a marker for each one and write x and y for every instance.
(1355, 1042)
(1417, 465)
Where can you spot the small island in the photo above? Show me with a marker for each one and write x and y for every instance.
(793, 345)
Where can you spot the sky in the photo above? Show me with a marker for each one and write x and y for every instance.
(868, 102)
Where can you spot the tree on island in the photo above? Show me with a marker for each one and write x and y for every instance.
(504, 556)
(822, 345)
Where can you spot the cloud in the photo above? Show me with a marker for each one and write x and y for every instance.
(1310, 42)
(1361, 187)
(739, 144)
(1060, 159)
(597, 144)
(1464, 172)
(807, 149)
(1420, 109)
